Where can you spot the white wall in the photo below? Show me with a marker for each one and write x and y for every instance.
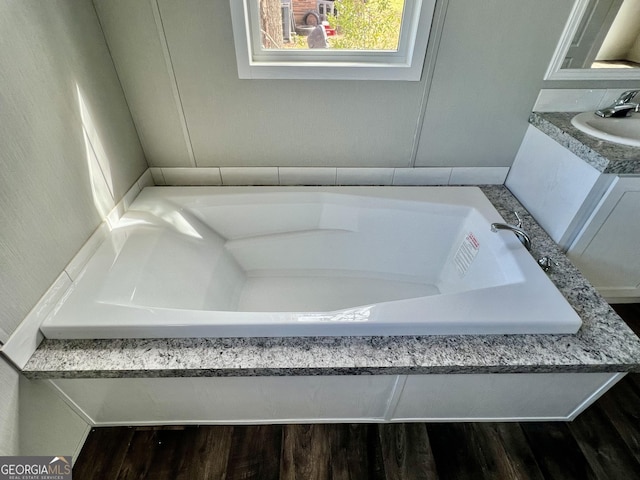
(176, 61)
(9, 438)
(490, 66)
(624, 35)
(69, 152)
(53, 192)
(634, 53)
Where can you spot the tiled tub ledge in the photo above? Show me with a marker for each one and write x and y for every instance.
(603, 344)
(605, 157)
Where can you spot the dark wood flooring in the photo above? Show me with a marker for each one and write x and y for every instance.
(602, 443)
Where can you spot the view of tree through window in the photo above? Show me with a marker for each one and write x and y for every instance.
(337, 24)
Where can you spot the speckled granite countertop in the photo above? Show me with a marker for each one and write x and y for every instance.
(606, 157)
(603, 344)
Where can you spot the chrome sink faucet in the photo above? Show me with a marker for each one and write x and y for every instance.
(521, 234)
(621, 107)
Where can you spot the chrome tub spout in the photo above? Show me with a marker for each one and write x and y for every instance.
(521, 234)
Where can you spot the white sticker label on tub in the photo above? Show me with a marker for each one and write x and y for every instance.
(466, 253)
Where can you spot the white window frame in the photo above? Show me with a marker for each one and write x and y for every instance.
(404, 64)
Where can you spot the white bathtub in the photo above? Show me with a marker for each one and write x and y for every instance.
(305, 261)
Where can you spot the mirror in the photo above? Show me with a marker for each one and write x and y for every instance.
(601, 41)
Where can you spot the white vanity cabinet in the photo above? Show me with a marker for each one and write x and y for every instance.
(607, 250)
(594, 217)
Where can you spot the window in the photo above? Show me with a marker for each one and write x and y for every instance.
(262, 54)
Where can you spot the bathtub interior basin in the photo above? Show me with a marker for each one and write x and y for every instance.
(303, 261)
(623, 130)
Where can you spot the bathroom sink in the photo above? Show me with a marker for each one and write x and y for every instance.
(624, 130)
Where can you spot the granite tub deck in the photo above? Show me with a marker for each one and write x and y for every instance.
(604, 343)
(605, 157)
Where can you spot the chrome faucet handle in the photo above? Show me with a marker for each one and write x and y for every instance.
(519, 224)
(626, 97)
(618, 110)
(621, 107)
